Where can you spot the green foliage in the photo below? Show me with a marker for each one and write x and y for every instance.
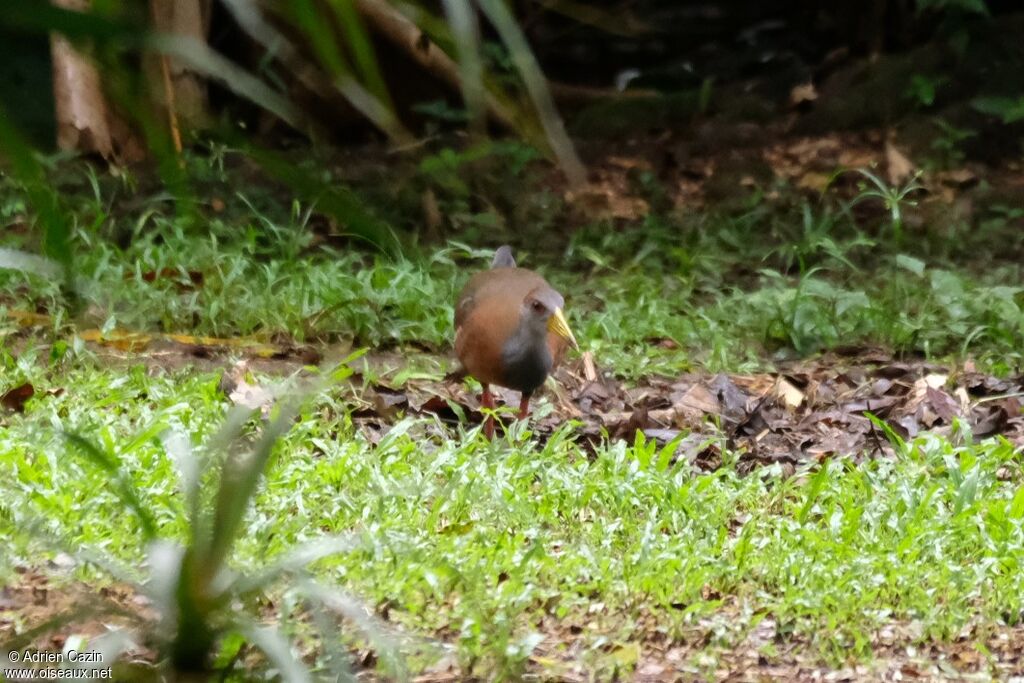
(966, 6)
(200, 599)
(349, 59)
(948, 144)
(1009, 109)
(893, 198)
(454, 535)
(55, 225)
(923, 88)
(713, 289)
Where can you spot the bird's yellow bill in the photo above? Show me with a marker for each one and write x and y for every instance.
(558, 325)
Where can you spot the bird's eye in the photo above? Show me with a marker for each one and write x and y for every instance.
(537, 306)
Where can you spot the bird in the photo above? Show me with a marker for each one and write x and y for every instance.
(510, 331)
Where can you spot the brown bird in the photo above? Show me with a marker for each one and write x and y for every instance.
(510, 330)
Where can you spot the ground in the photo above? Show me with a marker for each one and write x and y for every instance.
(790, 449)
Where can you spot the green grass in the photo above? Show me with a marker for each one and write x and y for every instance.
(487, 544)
(728, 291)
(516, 547)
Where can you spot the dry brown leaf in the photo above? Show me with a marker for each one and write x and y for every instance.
(800, 94)
(899, 169)
(699, 399)
(235, 383)
(589, 369)
(118, 339)
(788, 393)
(814, 181)
(14, 399)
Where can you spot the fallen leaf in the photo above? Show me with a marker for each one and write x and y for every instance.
(118, 339)
(241, 392)
(387, 403)
(14, 399)
(788, 393)
(899, 168)
(814, 181)
(698, 400)
(28, 318)
(802, 94)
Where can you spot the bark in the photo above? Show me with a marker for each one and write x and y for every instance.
(181, 93)
(403, 33)
(85, 120)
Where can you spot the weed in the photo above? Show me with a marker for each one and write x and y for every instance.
(892, 198)
(457, 538)
(199, 598)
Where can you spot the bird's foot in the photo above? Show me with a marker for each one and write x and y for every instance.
(487, 404)
(524, 407)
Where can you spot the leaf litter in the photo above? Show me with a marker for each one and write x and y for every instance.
(803, 411)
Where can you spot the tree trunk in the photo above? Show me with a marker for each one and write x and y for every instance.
(85, 121)
(180, 92)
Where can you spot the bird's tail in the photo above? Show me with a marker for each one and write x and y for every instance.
(503, 258)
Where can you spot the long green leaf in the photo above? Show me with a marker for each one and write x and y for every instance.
(13, 259)
(125, 491)
(237, 488)
(346, 606)
(466, 33)
(277, 649)
(295, 560)
(210, 63)
(526, 63)
(362, 50)
(250, 17)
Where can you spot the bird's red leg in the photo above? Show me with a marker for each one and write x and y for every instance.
(524, 406)
(487, 402)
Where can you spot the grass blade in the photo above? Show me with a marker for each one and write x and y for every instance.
(346, 606)
(297, 559)
(466, 33)
(128, 495)
(237, 488)
(278, 650)
(525, 61)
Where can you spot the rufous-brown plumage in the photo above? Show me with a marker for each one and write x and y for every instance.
(510, 330)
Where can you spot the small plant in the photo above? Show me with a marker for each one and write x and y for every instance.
(1009, 109)
(817, 241)
(893, 198)
(948, 143)
(923, 89)
(202, 603)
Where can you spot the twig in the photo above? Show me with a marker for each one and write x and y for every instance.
(169, 102)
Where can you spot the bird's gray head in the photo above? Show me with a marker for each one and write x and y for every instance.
(542, 312)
